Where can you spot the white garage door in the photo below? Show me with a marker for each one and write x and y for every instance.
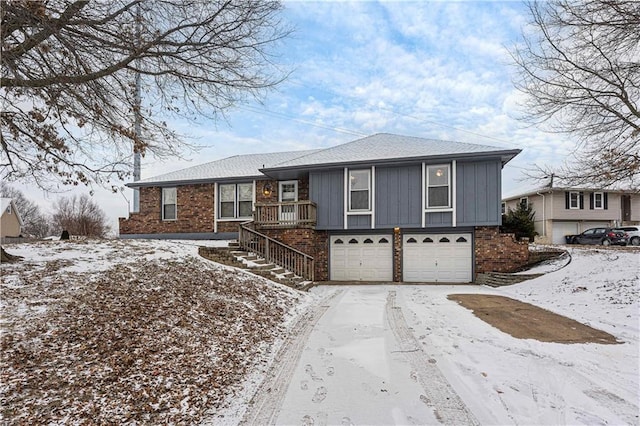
(361, 258)
(437, 258)
(560, 229)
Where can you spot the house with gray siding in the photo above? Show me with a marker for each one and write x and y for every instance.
(562, 210)
(382, 208)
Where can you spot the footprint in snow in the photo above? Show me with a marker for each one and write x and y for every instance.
(309, 370)
(307, 420)
(330, 371)
(304, 385)
(320, 395)
(346, 421)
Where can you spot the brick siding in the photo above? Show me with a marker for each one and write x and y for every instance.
(397, 256)
(496, 252)
(194, 205)
(308, 241)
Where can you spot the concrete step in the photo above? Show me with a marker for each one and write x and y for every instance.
(264, 267)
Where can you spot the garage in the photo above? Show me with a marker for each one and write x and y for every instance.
(560, 229)
(437, 258)
(361, 258)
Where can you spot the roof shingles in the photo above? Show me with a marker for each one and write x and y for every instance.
(375, 148)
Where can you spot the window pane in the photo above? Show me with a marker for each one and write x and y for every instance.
(359, 179)
(227, 193)
(598, 200)
(438, 196)
(573, 200)
(245, 192)
(226, 209)
(288, 192)
(359, 200)
(438, 175)
(168, 195)
(245, 209)
(169, 212)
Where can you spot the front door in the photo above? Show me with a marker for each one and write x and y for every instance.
(288, 195)
(626, 208)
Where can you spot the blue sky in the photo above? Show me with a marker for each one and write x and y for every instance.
(430, 69)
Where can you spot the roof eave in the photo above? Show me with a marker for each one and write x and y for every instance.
(203, 181)
(505, 157)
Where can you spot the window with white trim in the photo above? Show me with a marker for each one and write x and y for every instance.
(360, 190)
(524, 202)
(574, 200)
(169, 203)
(438, 187)
(598, 200)
(235, 201)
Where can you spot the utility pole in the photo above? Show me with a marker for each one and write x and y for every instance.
(137, 126)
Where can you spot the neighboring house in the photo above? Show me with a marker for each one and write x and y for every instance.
(380, 208)
(569, 211)
(10, 221)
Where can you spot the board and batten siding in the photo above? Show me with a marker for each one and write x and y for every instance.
(326, 189)
(478, 197)
(398, 196)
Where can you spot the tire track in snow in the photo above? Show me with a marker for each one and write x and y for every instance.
(265, 405)
(439, 395)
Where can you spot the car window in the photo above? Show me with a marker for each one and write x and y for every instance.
(589, 232)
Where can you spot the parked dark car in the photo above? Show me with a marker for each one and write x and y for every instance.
(604, 236)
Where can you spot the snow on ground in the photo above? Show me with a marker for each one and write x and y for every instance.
(135, 332)
(408, 355)
(371, 354)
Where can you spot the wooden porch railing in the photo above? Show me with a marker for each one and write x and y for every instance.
(276, 252)
(285, 214)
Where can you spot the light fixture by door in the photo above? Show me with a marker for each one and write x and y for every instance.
(266, 190)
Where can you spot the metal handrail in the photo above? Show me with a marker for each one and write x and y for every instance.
(274, 251)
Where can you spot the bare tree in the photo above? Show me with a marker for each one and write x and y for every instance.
(34, 222)
(580, 70)
(80, 216)
(69, 68)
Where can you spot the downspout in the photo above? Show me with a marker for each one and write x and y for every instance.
(544, 208)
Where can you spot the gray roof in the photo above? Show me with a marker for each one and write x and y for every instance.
(237, 166)
(383, 147)
(378, 148)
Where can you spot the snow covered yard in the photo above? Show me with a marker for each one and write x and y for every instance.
(148, 332)
(389, 354)
(504, 380)
(132, 332)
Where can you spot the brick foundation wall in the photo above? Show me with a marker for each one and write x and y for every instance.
(308, 241)
(195, 212)
(397, 256)
(496, 252)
